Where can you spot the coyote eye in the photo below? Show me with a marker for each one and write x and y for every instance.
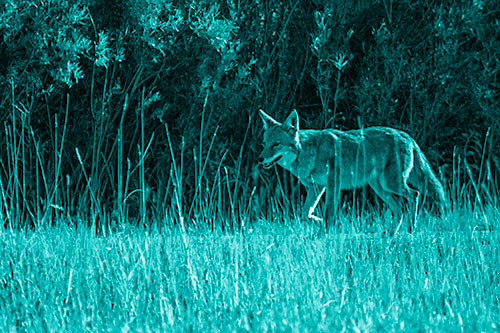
(274, 145)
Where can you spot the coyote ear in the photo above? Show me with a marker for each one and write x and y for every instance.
(292, 120)
(267, 119)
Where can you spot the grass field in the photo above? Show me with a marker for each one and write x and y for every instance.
(132, 199)
(273, 276)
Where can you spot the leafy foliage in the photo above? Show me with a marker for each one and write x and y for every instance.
(106, 78)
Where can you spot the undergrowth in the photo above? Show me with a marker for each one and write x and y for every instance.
(129, 192)
(277, 274)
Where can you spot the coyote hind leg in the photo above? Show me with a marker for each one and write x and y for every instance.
(394, 202)
(394, 196)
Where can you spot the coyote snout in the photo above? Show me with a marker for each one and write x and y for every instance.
(269, 162)
(386, 159)
(275, 154)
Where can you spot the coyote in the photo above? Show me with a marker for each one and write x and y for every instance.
(387, 159)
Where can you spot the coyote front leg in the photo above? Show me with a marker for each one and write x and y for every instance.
(333, 191)
(312, 200)
(332, 204)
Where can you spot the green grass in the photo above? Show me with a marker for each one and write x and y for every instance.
(279, 276)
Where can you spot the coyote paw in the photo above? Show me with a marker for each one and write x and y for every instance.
(315, 218)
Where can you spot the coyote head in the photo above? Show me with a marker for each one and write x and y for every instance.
(281, 140)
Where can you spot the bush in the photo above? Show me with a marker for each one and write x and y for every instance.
(89, 87)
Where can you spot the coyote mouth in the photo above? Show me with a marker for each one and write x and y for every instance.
(268, 165)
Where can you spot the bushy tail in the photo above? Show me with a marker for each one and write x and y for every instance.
(429, 184)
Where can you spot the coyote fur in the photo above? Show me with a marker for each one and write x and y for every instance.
(386, 159)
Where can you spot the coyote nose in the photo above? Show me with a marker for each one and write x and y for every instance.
(261, 159)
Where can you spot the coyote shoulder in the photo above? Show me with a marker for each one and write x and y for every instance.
(386, 159)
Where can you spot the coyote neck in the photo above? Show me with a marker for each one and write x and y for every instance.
(304, 166)
(315, 150)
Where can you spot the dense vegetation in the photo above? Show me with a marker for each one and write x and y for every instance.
(129, 190)
(278, 276)
(98, 98)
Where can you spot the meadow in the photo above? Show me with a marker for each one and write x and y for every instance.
(275, 274)
(130, 196)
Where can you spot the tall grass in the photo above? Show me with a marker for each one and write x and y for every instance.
(219, 261)
(101, 248)
(278, 275)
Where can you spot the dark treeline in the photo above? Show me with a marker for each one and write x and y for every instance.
(98, 98)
